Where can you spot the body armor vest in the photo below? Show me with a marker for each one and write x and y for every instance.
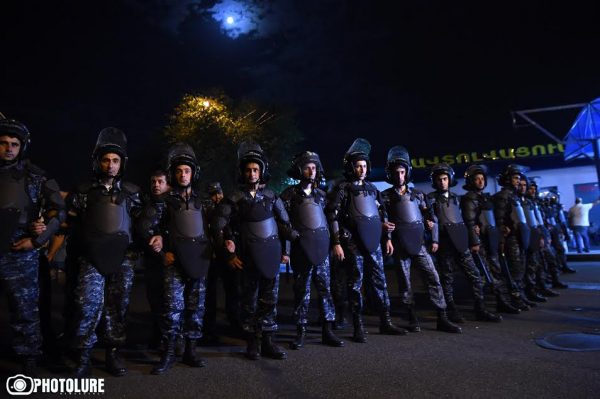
(406, 215)
(364, 212)
(309, 219)
(107, 230)
(188, 238)
(260, 234)
(14, 203)
(451, 222)
(519, 220)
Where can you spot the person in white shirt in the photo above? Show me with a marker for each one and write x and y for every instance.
(580, 222)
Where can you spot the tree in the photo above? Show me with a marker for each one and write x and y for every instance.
(214, 125)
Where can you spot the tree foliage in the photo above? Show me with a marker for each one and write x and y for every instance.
(214, 125)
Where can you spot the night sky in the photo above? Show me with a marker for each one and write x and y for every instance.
(436, 77)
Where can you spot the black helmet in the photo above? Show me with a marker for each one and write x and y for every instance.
(13, 128)
(182, 154)
(504, 178)
(214, 187)
(300, 160)
(397, 156)
(249, 151)
(470, 174)
(110, 140)
(358, 151)
(442, 169)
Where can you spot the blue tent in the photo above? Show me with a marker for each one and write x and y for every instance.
(579, 142)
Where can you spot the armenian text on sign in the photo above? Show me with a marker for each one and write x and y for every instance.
(538, 150)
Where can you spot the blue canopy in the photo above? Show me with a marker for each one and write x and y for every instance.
(586, 129)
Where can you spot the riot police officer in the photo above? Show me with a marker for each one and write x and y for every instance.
(253, 221)
(356, 215)
(309, 256)
(534, 260)
(26, 195)
(478, 213)
(454, 244)
(104, 208)
(148, 226)
(185, 244)
(549, 255)
(514, 231)
(219, 270)
(407, 209)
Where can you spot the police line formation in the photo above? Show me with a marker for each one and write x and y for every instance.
(511, 241)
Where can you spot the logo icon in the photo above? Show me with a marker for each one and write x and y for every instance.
(19, 385)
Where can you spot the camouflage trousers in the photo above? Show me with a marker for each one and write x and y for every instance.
(98, 296)
(423, 262)
(19, 279)
(320, 275)
(366, 267)
(448, 259)
(259, 301)
(183, 305)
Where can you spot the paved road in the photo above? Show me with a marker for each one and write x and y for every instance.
(487, 360)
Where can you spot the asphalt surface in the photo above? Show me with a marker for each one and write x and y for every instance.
(488, 360)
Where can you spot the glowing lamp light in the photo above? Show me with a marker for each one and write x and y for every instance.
(206, 104)
(230, 20)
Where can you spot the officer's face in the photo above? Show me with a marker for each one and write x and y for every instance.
(309, 171)
(183, 175)
(9, 148)
(360, 169)
(110, 164)
(158, 185)
(252, 173)
(515, 180)
(399, 176)
(442, 182)
(216, 197)
(531, 191)
(479, 181)
(522, 187)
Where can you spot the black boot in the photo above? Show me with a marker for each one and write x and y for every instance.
(534, 296)
(190, 357)
(84, 364)
(443, 324)
(167, 358)
(298, 342)
(270, 349)
(340, 318)
(503, 305)
(567, 269)
(387, 327)
(328, 337)
(548, 292)
(359, 331)
(114, 363)
(453, 314)
(482, 314)
(413, 321)
(556, 283)
(518, 302)
(253, 346)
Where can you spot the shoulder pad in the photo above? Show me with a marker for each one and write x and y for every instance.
(236, 196)
(84, 188)
(34, 169)
(130, 187)
(431, 195)
(287, 193)
(267, 192)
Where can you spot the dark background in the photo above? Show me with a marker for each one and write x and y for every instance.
(438, 78)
